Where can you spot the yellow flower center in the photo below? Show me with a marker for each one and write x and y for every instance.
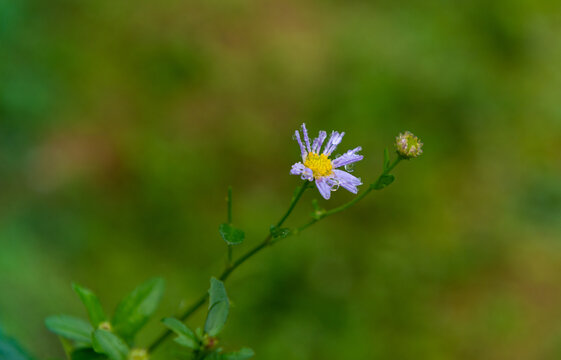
(319, 164)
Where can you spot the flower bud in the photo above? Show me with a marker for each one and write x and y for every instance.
(138, 354)
(209, 342)
(408, 145)
(106, 325)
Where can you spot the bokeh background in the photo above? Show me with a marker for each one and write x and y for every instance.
(123, 122)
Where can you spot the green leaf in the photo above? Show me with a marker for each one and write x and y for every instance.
(279, 233)
(230, 234)
(186, 337)
(386, 159)
(70, 327)
(219, 306)
(242, 354)
(11, 350)
(93, 306)
(135, 309)
(86, 354)
(383, 181)
(217, 292)
(107, 343)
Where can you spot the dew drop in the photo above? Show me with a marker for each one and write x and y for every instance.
(350, 167)
(293, 136)
(334, 185)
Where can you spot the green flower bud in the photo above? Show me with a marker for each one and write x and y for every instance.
(138, 354)
(408, 145)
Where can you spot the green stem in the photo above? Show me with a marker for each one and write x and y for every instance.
(295, 199)
(226, 273)
(363, 195)
(267, 241)
(229, 199)
(353, 201)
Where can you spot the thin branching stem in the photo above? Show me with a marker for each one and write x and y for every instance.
(229, 199)
(268, 241)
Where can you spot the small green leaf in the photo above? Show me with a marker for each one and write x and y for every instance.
(86, 354)
(242, 354)
(219, 306)
(217, 292)
(383, 181)
(216, 318)
(199, 333)
(70, 327)
(93, 306)
(11, 350)
(135, 309)
(107, 343)
(186, 337)
(230, 234)
(279, 233)
(386, 159)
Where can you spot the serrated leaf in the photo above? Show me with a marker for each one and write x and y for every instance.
(11, 350)
(219, 307)
(92, 304)
(107, 343)
(386, 159)
(231, 235)
(70, 327)
(242, 354)
(186, 337)
(384, 181)
(86, 354)
(135, 309)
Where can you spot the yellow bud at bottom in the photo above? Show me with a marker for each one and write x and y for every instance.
(106, 325)
(138, 354)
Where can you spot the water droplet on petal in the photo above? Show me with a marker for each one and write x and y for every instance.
(350, 167)
(338, 155)
(333, 184)
(293, 136)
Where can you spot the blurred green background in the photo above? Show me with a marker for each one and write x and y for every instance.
(122, 123)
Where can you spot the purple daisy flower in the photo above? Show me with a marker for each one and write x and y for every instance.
(317, 166)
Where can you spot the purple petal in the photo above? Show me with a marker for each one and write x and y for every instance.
(334, 140)
(316, 146)
(302, 149)
(347, 158)
(304, 172)
(348, 181)
(306, 137)
(324, 189)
